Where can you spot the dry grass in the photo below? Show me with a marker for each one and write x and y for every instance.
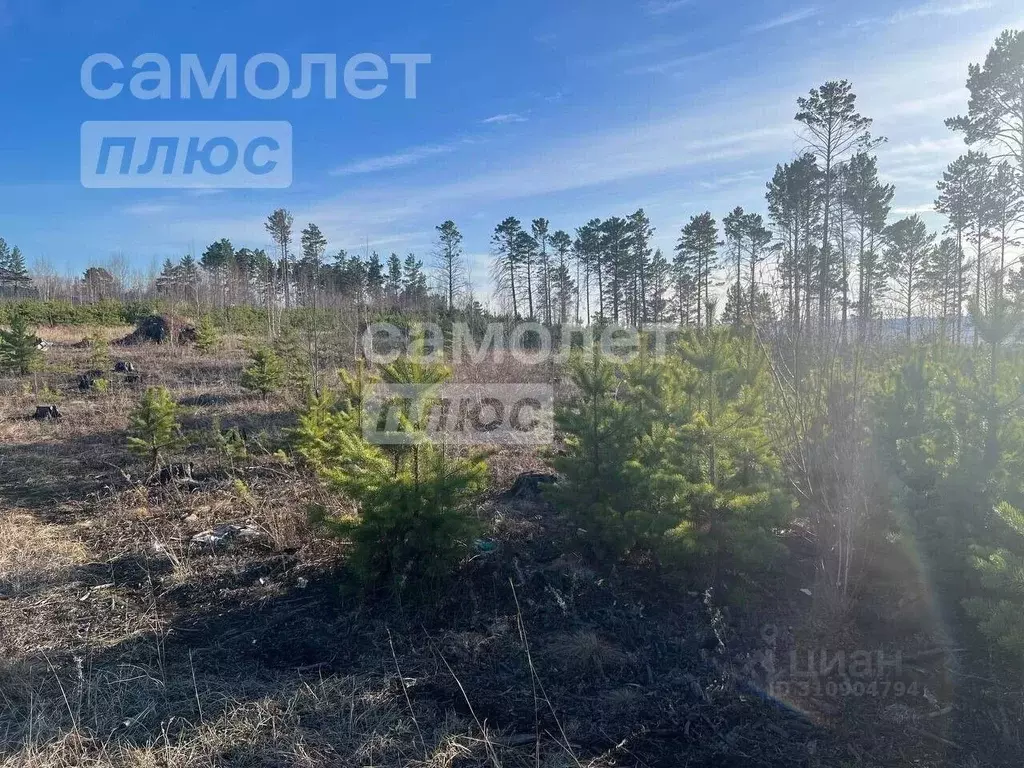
(584, 653)
(101, 586)
(123, 643)
(64, 334)
(30, 550)
(341, 720)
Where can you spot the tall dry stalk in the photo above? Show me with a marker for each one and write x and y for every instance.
(819, 428)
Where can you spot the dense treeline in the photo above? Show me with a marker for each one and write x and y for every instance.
(825, 255)
(64, 312)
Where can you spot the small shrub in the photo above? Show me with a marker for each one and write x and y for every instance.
(99, 351)
(602, 484)
(244, 493)
(672, 458)
(48, 394)
(414, 521)
(718, 458)
(230, 443)
(1000, 611)
(19, 347)
(264, 373)
(153, 426)
(245, 320)
(295, 357)
(950, 428)
(207, 336)
(414, 524)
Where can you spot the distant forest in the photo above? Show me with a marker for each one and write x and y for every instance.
(826, 252)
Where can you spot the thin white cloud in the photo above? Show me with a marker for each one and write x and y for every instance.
(601, 158)
(146, 209)
(942, 9)
(613, 156)
(391, 241)
(504, 118)
(925, 10)
(661, 7)
(676, 63)
(791, 17)
(913, 177)
(911, 210)
(744, 178)
(641, 48)
(915, 165)
(925, 104)
(925, 147)
(394, 160)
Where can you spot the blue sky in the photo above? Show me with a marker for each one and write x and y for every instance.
(567, 110)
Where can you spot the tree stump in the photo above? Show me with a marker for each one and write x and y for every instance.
(529, 485)
(87, 380)
(47, 413)
(177, 473)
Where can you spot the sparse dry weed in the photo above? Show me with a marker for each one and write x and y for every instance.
(31, 550)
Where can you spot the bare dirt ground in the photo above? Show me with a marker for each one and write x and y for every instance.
(124, 641)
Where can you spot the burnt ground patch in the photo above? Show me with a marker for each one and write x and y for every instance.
(614, 667)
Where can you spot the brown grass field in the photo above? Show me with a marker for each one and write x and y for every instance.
(125, 643)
